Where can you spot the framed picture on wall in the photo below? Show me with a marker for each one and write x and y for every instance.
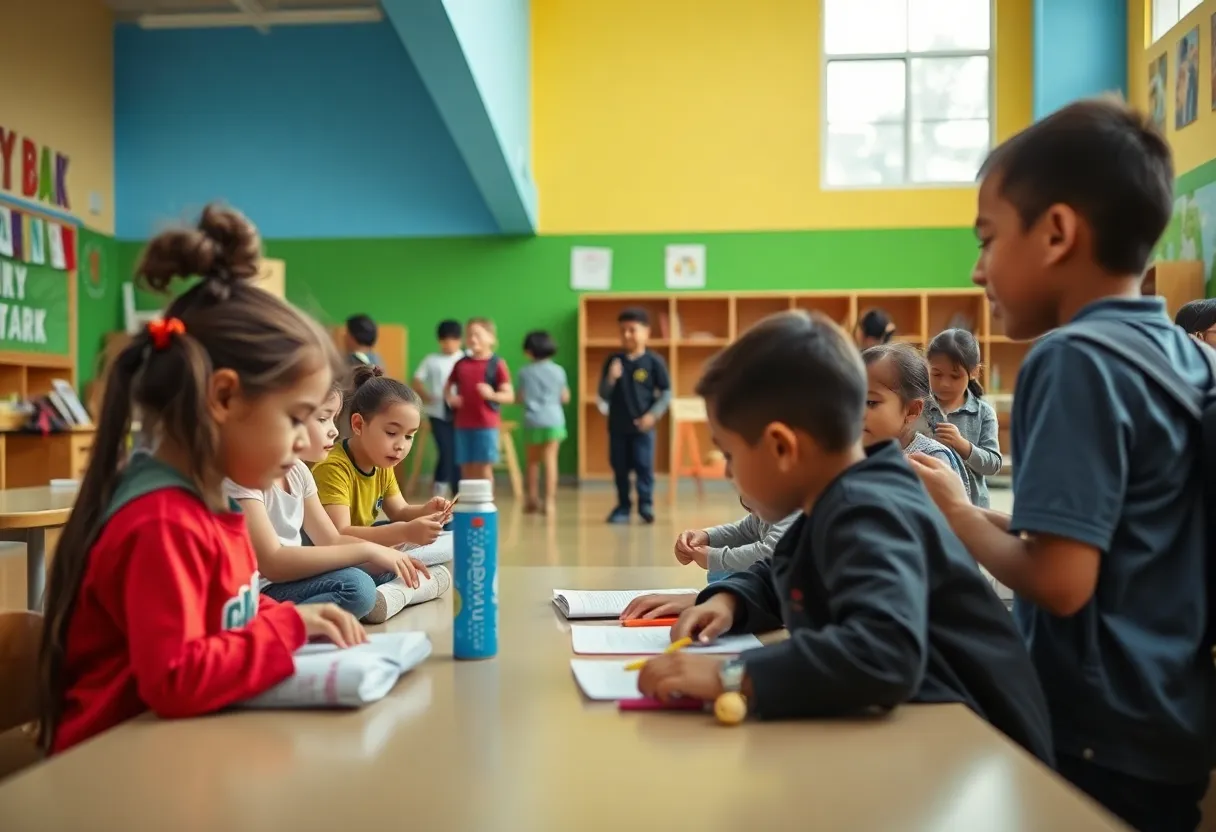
(1158, 84)
(1186, 93)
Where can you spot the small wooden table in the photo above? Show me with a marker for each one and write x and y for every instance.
(510, 744)
(25, 515)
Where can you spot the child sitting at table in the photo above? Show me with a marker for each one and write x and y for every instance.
(152, 602)
(882, 602)
(341, 571)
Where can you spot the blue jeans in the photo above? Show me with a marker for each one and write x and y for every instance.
(714, 577)
(350, 588)
(633, 452)
(446, 469)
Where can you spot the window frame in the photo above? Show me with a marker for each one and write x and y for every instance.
(1178, 17)
(906, 56)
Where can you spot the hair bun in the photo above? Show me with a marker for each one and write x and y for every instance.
(222, 249)
(364, 373)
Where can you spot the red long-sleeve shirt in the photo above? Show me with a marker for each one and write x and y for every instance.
(169, 619)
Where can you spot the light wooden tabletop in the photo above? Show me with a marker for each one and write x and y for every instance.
(509, 744)
(28, 508)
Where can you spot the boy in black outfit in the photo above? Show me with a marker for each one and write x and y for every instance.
(361, 335)
(1105, 550)
(882, 602)
(637, 388)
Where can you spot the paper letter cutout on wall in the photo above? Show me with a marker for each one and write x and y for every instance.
(6, 232)
(54, 236)
(37, 240)
(29, 168)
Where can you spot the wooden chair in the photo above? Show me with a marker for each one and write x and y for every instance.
(509, 459)
(20, 634)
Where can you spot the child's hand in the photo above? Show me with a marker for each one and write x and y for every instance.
(332, 623)
(689, 540)
(455, 401)
(707, 621)
(659, 605)
(437, 505)
(644, 422)
(424, 530)
(615, 370)
(941, 481)
(485, 391)
(948, 435)
(407, 568)
(681, 675)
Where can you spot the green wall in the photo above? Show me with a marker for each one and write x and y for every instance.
(524, 283)
(98, 298)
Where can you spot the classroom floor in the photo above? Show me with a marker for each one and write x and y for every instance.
(576, 536)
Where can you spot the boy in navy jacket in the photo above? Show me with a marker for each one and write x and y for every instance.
(1105, 549)
(882, 601)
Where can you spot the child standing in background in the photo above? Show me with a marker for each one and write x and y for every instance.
(331, 570)
(478, 386)
(361, 335)
(542, 390)
(875, 327)
(896, 400)
(637, 387)
(152, 602)
(970, 428)
(429, 380)
(1198, 320)
(357, 479)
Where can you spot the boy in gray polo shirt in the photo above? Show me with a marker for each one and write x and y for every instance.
(1105, 549)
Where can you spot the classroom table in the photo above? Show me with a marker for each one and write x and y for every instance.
(25, 515)
(509, 744)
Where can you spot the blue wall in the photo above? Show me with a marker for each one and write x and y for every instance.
(1080, 50)
(314, 132)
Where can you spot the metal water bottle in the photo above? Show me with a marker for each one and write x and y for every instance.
(475, 572)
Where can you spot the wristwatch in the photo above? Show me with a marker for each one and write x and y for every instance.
(731, 705)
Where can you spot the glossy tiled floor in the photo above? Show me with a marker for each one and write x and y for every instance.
(575, 536)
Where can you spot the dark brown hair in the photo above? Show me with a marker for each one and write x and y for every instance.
(540, 345)
(1104, 160)
(1197, 316)
(371, 392)
(961, 348)
(911, 372)
(230, 324)
(798, 369)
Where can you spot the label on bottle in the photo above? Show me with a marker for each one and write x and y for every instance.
(475, 575)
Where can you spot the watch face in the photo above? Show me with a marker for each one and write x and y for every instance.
(731, 675)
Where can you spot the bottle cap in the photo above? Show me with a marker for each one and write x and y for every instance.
(476, 491)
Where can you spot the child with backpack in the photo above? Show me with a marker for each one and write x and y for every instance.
(1106, 548)
(478, 386)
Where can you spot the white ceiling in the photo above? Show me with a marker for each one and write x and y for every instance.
(131, 8)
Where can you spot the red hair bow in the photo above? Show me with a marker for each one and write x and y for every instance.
(162, 331)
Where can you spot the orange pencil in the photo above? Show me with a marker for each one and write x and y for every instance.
(650, 622)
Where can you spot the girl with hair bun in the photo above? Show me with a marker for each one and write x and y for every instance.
(152, 600)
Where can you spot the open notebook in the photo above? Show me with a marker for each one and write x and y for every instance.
(609, 603)
(600, 640)
(326, 677)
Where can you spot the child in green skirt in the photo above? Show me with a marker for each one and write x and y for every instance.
(542, 390)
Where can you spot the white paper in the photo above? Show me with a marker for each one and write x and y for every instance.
(6, 232)
(685, 267)
(590, 269)
(605, 681)
(36, 230)
(54, 236)
(607, 640)
(432, 553)
(603, 603)
(326, 677)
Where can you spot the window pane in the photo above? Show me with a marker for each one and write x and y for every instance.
(1185, 7)
(948, 151)
(864, 92)
(948, 24)
(864, 27)
(865, 154)
(949, 88)
(1165, 15)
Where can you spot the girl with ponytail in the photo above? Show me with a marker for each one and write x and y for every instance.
(152, 600)
(969, 427)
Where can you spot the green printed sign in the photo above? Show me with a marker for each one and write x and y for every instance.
(33, 308)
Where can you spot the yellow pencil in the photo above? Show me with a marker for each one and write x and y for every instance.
(679, 644)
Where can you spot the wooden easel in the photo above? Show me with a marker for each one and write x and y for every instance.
(686, 414)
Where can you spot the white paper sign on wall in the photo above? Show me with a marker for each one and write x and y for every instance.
(685, 267)
(590, 269)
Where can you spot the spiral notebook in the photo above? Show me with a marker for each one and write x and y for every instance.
(606, 603)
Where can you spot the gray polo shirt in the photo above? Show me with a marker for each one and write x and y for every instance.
(976, 421)
(540, 385)
(1105, 459)
(734, 547)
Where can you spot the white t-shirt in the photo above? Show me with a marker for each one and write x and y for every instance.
(433, 374)
(284, 508)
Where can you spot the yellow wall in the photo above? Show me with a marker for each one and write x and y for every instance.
(704, 115)
(57, 88)
(1196, 143)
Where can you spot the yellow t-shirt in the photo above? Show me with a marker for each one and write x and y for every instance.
(341, 483)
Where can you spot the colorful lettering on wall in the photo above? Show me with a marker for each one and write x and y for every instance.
(32, 170)
(33, 308)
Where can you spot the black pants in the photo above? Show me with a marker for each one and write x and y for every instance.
(633, 452)
(1142, 804)
(446, 469)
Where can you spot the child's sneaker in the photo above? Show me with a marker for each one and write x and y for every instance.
(619, 516)
(390, 600)
(647, 515)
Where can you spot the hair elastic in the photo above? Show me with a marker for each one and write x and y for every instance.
(162, 331)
